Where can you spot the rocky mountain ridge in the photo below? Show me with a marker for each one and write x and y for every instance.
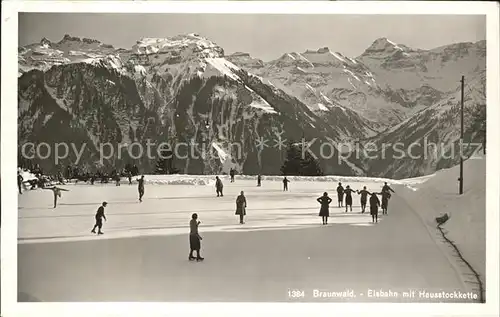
(184, 89)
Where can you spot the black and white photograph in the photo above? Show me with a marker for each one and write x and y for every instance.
(259, 156)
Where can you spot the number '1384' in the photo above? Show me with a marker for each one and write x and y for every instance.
(294, 293)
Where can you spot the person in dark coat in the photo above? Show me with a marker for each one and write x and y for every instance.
(285, 184)
(364, 195)
(340, 194)
(98, 218)
(231, 173)
(218, 186)
(324, 212)
(140, 187)
(386, 195)
(194, 238)
(348, 197)
(386, 188)
(259, 180)
(20, 180)
(241, 206)
(374, 204)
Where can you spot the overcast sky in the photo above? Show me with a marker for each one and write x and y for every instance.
(263, 36)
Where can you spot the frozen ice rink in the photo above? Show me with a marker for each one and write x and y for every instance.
(142, 255)
(167, 209)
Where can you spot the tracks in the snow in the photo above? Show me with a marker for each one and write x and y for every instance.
(474, 272)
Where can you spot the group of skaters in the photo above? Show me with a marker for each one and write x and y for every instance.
(374, 201)
(343, 195)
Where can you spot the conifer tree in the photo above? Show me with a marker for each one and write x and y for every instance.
(295, 164)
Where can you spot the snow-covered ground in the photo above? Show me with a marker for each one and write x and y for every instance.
(467, 224)
(171, 199)
(260, 254)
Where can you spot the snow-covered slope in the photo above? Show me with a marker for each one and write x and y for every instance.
(438, 124)
(467, 224)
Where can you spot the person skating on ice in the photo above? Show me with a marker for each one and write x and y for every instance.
(324, 211)
(241, 206)
(129, 178)
(140, 187)
(194, 238)
(57, 193)
(219, 186)
(364, 197)
(340, 194)
(387, 188)
(374, 204)
(285, 184)
(231, 173)
(348, 198)
(386, 195)
(20, 180)
(259, 180)
(98, 218)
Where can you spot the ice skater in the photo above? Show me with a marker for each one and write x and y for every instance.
(219, 187)
(324, 211)
(140, 187)
(386, 195)
(374, 204)
(117, 179)
(20, 180)
(231, 173)
(98, 218)
(285, 184)
(241, 206)
(194, 238)
(57, 193)
(340, 194)
(387, 188)
(364, 195)
(348, 198)
(129, 178)
(259, 180)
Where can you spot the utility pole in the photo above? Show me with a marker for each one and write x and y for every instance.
(461, 179)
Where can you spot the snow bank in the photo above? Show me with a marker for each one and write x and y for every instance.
(179, 180)
(437, 194)
(202, 180)
(27, 175)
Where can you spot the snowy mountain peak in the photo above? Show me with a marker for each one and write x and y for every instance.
(69, 38)
(45, 42)
(245, 60)
(181, 45)
(240, 54)
(323, 50)
(383, 47)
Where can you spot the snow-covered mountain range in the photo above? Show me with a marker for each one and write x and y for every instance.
(185, 89)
